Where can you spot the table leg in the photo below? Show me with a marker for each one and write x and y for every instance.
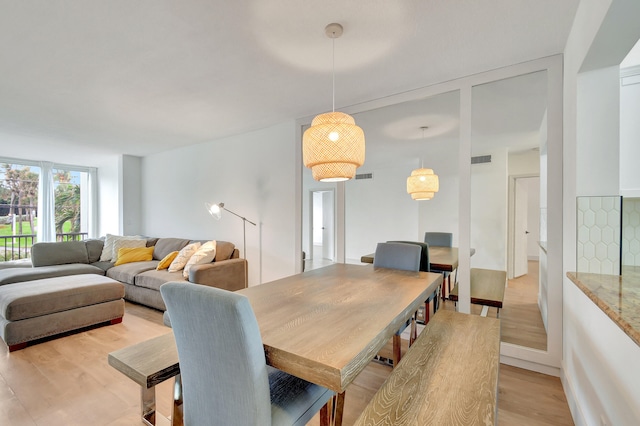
(148, 405)
(177, 414)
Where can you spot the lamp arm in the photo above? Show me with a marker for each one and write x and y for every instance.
(241, 217)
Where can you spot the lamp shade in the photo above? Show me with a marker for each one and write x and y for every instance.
(333, 147)
(215, 210)
(422, 184)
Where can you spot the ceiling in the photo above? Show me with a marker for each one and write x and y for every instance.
(122, 77)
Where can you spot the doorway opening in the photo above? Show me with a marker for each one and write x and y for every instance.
(322, 229)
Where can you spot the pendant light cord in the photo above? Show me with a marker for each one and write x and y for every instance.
(333, 72)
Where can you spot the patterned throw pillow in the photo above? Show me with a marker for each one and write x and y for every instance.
(166, 261)
(183, 257)
(134, 254)
(205, 254)
(107, 249)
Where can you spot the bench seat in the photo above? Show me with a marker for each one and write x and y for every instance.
(449, 376)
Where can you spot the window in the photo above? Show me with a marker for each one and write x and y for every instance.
(43, 202)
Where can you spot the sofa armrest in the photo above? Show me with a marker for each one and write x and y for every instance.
(228, 274)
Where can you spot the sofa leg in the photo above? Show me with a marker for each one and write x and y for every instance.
(18, 346)
(116, 321)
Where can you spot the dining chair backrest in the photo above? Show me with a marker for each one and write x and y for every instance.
(439, 239)
(425, 263)
(398, 256)
(222, 362)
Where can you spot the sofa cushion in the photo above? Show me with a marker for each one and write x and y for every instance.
(16, 275)
(103, 265)
(94, 249)
(46, 296)
(154, 279)
(47, 254)
(224, 250)
(164, 246)
(126, 273)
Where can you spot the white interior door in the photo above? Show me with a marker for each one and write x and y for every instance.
(520, 264)
(328, 231)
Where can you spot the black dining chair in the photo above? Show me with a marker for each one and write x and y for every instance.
(425, 266)
(405, 257)
(441, 239)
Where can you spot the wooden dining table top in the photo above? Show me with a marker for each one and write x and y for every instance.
(327, 324)
(440, 258)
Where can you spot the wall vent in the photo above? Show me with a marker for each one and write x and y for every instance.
(481, 159)
(364, 176)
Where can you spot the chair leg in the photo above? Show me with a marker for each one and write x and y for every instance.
(397, 349)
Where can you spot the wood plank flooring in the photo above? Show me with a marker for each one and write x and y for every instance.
(521, 319)
(67, 381)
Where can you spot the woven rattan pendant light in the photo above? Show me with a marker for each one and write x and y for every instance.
(423, 183)
(333, 147)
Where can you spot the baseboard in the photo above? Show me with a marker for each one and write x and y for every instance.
(528, 365)
(574, 408)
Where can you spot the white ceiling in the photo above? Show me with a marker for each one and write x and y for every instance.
(123, 77)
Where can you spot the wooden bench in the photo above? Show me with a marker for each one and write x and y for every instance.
(487, 289)
(150, 363)
(448, 376)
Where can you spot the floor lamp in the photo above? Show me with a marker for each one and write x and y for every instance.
(215, 210)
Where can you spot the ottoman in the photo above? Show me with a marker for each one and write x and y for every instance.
(35, 309)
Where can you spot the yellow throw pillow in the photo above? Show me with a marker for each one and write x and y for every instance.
(166, 261)
(134, 254)
(183, 257)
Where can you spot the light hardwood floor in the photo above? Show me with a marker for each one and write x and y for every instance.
(521, 319)
(67, 381)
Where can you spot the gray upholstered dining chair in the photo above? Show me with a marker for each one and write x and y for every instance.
(405, 257)
(441, 239)
(425, 266)
(225, 378)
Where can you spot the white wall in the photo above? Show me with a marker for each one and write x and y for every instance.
(598, 134)
(441, 213)
(252, 173)
(630, 137)
(379, 210)
(597, 372)
(131, 174)
(489, 189)
(109, 200)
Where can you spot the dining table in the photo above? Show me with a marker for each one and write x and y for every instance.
(327, 324)
(323, 325)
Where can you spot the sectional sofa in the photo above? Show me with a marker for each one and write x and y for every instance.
(141, 279)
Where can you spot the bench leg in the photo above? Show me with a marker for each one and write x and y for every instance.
(177, 413)
(148, 405)
(338, 409)
(116, 321)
